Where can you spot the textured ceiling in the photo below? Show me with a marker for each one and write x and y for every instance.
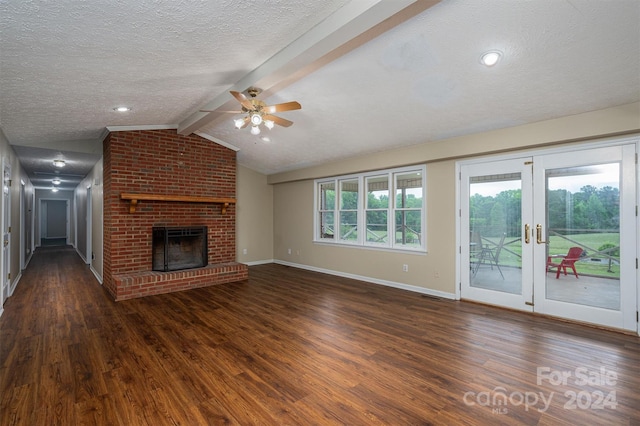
(38, 162)
(65, 65)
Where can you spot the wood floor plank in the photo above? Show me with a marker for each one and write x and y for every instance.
(289, 346)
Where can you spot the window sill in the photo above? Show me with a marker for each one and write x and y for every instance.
(416, 251)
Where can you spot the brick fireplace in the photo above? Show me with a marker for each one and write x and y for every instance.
(171, 181)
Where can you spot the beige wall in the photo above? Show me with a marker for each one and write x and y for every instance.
(254, 217)
(623, 119)
(434, 272)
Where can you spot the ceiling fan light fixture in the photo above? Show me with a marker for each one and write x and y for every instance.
(256, 119)
(59, 163)
(257, 113)
(490, 58)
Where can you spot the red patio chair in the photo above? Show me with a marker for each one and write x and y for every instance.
(569, 260)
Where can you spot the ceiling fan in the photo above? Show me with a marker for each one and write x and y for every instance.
(257, 112)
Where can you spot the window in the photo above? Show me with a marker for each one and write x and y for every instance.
(349, 210)
(383, 209)
(326, 210)
(377, 210)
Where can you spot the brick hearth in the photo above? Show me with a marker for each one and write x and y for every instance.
(164, 163)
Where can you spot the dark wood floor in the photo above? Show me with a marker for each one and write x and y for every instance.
(296, 347)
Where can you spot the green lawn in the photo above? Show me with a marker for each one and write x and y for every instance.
(510, 254)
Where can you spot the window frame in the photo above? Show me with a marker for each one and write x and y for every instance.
(363, 207)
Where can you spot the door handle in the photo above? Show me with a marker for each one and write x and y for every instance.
(527, 228)
(539, 235)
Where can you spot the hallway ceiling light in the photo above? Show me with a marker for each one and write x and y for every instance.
(59, 163)
(122, 109)
(54, 189)
(56, 181)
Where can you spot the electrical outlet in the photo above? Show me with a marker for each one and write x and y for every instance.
(405, 268)
(288, 251)
(244, 251)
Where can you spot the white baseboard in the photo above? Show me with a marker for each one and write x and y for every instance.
(258, 262)
(84, 259)
(96, 274)
(413, 288)
(14, 284)
(26, 262)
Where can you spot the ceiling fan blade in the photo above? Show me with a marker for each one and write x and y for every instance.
(286, 106)
(243, 100)
(279, 121)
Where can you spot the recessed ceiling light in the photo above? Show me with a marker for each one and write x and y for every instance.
(490, 58)
(122, 109)
(59, 163)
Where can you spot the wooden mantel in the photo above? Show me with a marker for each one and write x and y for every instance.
(134, 198)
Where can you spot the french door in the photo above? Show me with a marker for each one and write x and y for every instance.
(553, 233)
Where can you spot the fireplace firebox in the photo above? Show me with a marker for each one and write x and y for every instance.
(177, 248)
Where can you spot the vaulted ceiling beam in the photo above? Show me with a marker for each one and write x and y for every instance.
(350, 27)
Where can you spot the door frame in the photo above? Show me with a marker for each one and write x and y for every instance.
(600, 143)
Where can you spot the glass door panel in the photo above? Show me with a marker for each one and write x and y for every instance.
(493, 246)
(583, 234)
(584, 256)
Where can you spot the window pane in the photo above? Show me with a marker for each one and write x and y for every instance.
(408, 227)
(377, 227)
(327, 196)
(326, 225)
(349, 194)
(349, 226)
(409, 190)
(378, 192)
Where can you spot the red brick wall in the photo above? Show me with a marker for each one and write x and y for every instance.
(163, 162)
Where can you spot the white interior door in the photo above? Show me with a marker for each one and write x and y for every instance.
(521, 218)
